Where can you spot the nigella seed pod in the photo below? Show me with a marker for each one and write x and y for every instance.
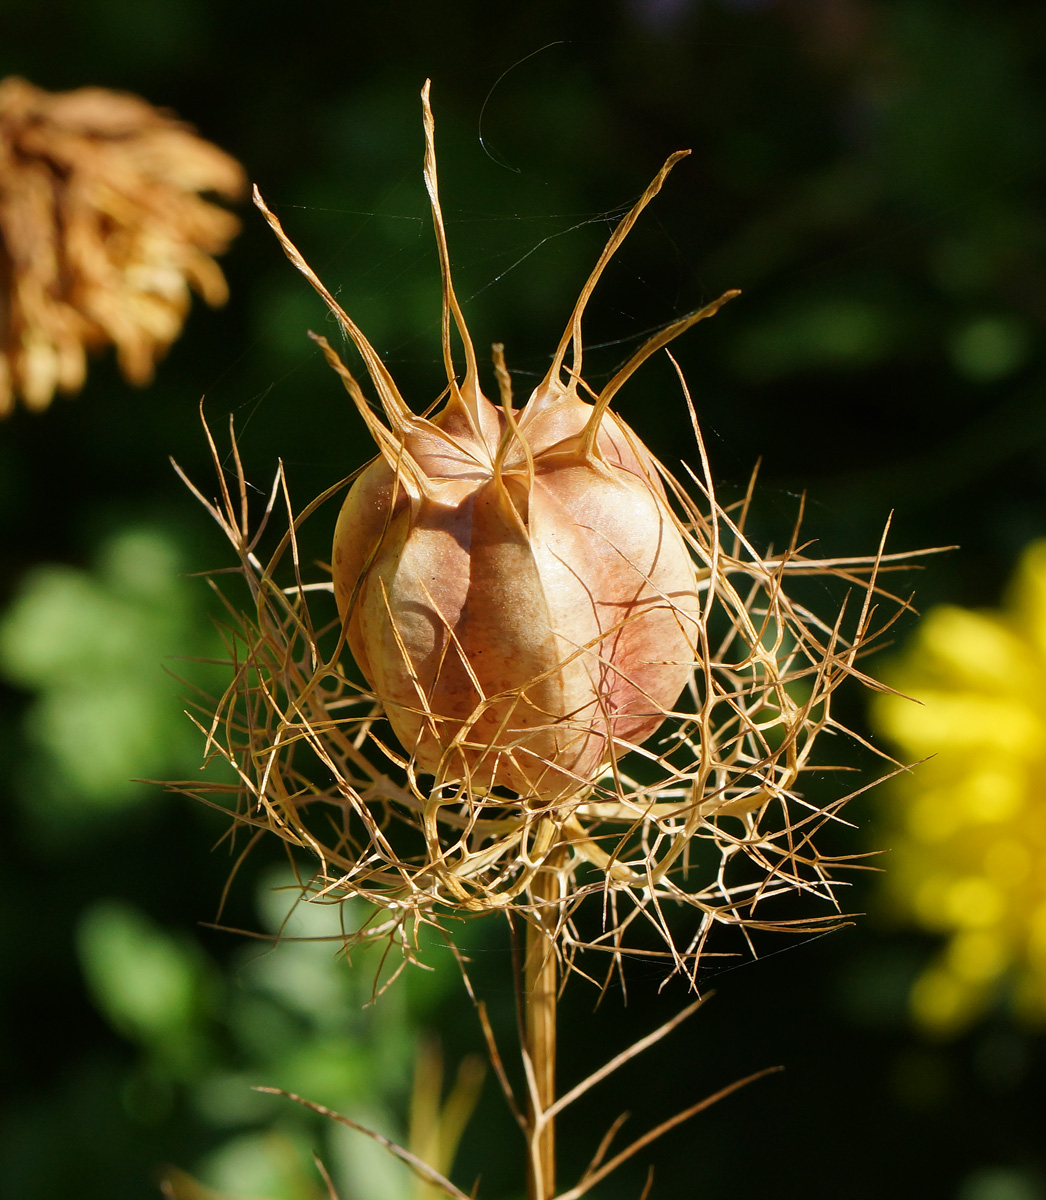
(527, 607)
(513, 583)
(519, 597)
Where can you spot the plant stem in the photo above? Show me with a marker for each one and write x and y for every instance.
(539, 983)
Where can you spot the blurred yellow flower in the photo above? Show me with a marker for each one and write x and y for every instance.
(103, 233)
(968, 853)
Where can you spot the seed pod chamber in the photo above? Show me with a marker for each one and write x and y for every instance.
(530, 609)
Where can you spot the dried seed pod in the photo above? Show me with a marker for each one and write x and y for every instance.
(514, 584)
(521, 598)
(517, 591)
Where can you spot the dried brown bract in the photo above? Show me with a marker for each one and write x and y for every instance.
(582, 712)
(103, 233)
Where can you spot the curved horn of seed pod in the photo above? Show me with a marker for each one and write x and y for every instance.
(514, 584)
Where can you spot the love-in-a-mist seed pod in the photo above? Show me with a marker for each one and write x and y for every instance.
(529, 596)
(516, 589)
(514, 584)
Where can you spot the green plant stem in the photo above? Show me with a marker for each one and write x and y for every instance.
(540, 984)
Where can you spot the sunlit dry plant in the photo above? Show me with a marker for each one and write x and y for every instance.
(588, 700)
(103, 232)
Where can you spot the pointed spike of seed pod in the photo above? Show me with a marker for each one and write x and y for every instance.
(532, 613)
(658, 342)
(469, 393)
(502, 372)
(391, 446)
(392, 402)
(572, 334)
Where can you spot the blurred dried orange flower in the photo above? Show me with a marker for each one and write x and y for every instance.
(103, 232)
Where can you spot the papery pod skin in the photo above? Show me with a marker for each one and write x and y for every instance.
(514, 585)
(522, 626)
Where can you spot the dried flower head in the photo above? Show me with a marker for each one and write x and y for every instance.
(103, 232)
(531, 597)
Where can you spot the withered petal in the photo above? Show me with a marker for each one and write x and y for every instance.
(103, 232)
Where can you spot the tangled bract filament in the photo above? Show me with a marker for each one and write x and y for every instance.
(592, 675)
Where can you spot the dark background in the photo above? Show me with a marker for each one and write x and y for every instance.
(871, 175)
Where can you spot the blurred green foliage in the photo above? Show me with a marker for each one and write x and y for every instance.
(144, 982)
(85, 644)
(871, 173)
(288, 1012)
